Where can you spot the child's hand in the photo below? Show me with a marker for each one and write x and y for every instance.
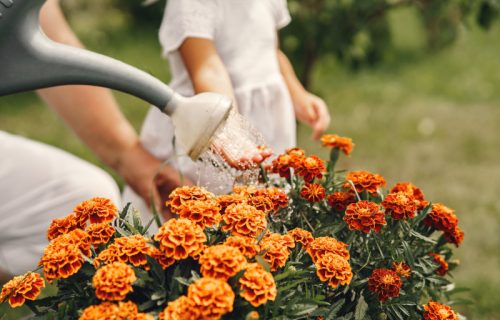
(313, 111)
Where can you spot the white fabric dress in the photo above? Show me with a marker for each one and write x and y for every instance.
(39, 183)
(245, 35)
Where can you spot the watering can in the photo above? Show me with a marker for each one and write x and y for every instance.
(30, 61)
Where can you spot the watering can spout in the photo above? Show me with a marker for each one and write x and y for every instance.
(30, 61)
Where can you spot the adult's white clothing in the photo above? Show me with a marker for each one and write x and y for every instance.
(39, 183)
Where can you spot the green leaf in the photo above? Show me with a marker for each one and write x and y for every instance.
(335, 308)
(361, 308)
(183, 281)
(300, 309)
(263, 263)
(124, 212)
(422, 237)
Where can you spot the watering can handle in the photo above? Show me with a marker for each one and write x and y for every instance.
(31, 61)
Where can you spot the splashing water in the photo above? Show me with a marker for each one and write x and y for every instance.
(237, 139)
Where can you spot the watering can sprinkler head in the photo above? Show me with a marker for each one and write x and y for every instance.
(31, 61)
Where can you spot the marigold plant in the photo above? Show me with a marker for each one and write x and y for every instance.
(257, 286)
(16, 291)
(309, 241)
(437, 311)
(100, 233)
(334, 141)
(113, 281)
(96, 210)
(221, 262)
(244, 220)
(364, 216)
(180, 238)
(385, 283)
(313, 192)
(333, 269)
(212, 298)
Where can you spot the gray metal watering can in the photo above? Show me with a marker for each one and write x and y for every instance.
(30, 61)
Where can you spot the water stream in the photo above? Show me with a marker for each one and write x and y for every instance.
(237, 139)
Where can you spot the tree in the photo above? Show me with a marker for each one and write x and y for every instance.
(357, 31)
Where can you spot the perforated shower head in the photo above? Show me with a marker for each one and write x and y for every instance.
(30, 61)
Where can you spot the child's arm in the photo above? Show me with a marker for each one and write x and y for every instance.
(205, 68)
(309, 108)
(208, 74)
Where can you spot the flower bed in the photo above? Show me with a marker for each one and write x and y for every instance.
(315, 244)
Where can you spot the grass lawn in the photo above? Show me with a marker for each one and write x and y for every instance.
(430, 119)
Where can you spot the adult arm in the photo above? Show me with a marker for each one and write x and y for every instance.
(309, 108)
(94, 115)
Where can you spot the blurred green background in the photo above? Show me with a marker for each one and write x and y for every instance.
(415, 113)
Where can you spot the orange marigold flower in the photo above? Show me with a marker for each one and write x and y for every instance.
(113, 281)
(108, 310)
(400, 205)
(334, 141)
(313, 192)
(181, 309)
(163, 260)
(441, 262)
(322, 245)
(62, 226)
(311, 167)
(132, 249)
(277, 249)
(262, 203)
(245, 191)
(364, 216)
(205, 213)
(212, 298)
(291, 159)
(441, 218)
(297, 156)
(97, 210)
(252, 315)
(20, 288)
(401, 268)
(221, 262)
(257, 286)
(247, 245)
(100, 233)
(63, 256)
(412, 190)
(244, 220)
(437, 311)
(81, 239)
(226, 200)
(364, 180)
(282, 165)
(182, 195)
(296, 153)
(334, 269)
(455, 236)
(277, 196)
(180, 238)
(340, 200)
(385, 283)
(301, 236)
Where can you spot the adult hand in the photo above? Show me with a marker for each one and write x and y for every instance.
(149, 177)
(312, 110)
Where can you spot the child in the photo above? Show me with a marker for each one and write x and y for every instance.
(231, 47)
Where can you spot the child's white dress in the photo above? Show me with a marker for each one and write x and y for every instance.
(245, 35)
